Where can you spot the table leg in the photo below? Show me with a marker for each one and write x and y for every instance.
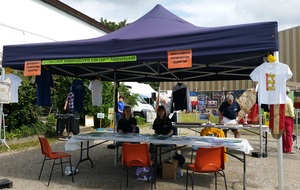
(244, 174)
(81, 159)
(244, 166)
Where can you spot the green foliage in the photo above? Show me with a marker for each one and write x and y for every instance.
(107, 102)
(25, 131)
(140, 120)
(129, 99)
(51, 120)
(60, 92)
(24, 113)
(113, 25)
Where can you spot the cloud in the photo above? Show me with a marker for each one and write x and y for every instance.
(204, 13)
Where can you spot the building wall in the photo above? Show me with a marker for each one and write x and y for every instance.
(34, 21)
(289, 53)
(211, 85)
(289, 50)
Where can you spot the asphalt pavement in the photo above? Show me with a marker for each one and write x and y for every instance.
(22, 168)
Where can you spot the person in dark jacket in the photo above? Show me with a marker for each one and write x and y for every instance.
(127, 124)
(162, 124)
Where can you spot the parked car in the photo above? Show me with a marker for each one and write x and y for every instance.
(142, 107)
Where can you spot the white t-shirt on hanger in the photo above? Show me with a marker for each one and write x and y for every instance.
(272, 79)
(96, 88)
(16, 82)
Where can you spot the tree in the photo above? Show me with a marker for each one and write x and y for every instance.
(25, 112)
(129, 99)
(112, 25)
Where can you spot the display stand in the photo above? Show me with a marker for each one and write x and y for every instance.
(2, 123)
(2, 131)
(100, 116)
(70, 124)
(4, 183)
(68, 130)
(261, 153)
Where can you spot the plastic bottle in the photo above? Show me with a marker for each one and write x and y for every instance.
(262, 116)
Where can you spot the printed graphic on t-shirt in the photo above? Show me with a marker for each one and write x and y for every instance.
(270, 78)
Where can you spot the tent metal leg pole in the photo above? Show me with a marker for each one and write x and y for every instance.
(260, 131)
(296, 131)
(280, 164)
(115, 99)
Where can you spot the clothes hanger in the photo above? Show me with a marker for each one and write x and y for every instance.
(7, 70)
(270, 57)
(98, 77)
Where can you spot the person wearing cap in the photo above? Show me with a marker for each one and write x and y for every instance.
(228, 112)
(287, 137)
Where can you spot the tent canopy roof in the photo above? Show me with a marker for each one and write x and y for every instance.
(138, 52)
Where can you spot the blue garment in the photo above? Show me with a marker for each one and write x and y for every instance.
(121, 106)
(44, 82)
(79, 92)
(229, 110)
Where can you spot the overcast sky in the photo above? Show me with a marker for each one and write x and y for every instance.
(206, 13)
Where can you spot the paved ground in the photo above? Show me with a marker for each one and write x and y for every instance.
(23, 167)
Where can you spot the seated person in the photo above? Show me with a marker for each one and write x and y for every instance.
(127, 124)
(162, 124)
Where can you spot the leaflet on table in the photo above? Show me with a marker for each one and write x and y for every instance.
(216, 141)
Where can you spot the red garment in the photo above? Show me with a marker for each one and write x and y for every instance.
(277, 118)
(287, 137)
(194, 103)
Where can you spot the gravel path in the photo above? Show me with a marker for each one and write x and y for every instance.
(22, 167)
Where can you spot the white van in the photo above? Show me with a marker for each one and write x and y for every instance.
(142, 107)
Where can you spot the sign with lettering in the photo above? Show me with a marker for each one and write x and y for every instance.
(179, 59)
(32, 68)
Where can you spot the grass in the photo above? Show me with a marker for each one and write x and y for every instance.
(195, 118)
(22, 146)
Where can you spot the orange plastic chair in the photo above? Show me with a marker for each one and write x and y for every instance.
(49, 155)
(211, 131)
(137, 155)
(208, 160)
(120, 143)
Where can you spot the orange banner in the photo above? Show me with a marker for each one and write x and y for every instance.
(32, 68)
(179, 59)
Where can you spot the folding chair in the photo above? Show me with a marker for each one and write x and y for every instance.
(211, 131)
(120, 143)
(207, 160)
(137, 155)
(49, 155)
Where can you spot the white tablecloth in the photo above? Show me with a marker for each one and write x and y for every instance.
(202, 141)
